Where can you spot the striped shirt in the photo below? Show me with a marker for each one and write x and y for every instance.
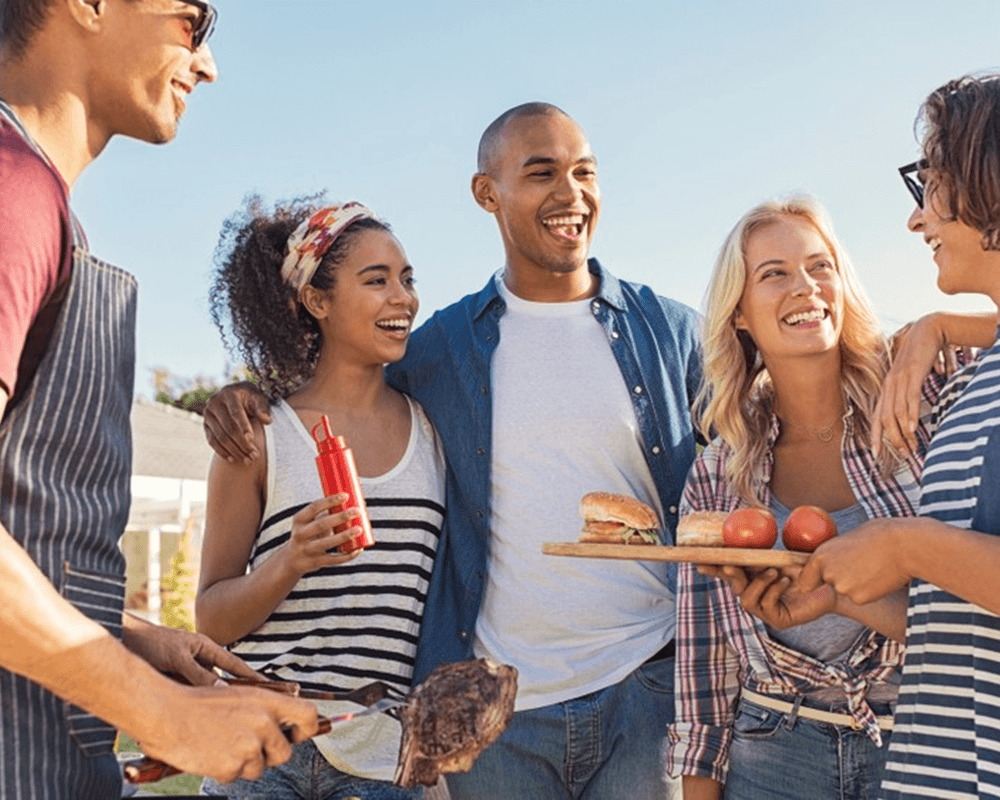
(347, 625)
(946, 743)
(721, 647)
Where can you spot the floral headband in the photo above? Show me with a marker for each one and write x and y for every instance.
(314, 237)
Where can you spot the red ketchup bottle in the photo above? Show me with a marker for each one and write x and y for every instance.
(338, 473)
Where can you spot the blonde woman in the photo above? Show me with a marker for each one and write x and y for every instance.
(794, 360)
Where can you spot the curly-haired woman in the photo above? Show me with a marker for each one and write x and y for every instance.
(319, 299)
(948, 716)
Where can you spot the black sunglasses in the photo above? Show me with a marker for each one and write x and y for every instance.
(914, 184)
(206, 22)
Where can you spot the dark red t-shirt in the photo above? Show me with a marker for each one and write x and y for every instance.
(36, 250)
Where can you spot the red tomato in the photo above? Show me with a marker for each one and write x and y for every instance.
(807, 527)
(750, 527)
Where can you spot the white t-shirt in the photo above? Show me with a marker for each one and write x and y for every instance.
(563, 425)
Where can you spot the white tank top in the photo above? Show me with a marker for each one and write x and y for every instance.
(344, 626)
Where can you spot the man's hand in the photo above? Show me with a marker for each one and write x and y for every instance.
(227, 420)
(190, 656)
(227, 732)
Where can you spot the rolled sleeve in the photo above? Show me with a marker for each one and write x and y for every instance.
(706, 685)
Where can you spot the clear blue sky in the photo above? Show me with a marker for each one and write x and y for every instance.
(696, 111)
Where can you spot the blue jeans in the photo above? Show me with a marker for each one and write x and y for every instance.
(308, 776)
(606, 745)
(775, 756)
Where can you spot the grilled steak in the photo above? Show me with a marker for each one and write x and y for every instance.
(452, 717)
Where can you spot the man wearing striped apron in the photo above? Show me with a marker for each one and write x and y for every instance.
(68, 72)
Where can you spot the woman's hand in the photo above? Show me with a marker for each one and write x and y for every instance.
(232, 602)
(313, 541)
(933, 342)
(696, 787)
(773, 597)
(917, 348)
(865, 566)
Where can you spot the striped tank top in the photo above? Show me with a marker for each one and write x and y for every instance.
(346, 625)
(946, 743)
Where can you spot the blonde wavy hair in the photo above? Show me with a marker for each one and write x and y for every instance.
(736, 398)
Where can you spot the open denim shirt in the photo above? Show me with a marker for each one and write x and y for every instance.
(447, 369)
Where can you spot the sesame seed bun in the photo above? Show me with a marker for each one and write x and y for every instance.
(608, 507)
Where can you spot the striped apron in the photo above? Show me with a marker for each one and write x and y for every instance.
(65, 470)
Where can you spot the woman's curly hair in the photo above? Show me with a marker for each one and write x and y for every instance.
(279, 345)
(962, 148)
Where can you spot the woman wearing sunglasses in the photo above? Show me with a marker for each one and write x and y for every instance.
(793, 362)
(945, 741)
(319, 300)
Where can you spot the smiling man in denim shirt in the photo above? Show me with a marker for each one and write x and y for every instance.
(555, 380)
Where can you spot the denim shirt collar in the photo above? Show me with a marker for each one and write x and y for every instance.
(610, 291)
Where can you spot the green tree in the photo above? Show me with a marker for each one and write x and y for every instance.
(178, 586)
(190, 394)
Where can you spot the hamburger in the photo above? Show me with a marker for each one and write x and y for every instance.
(617, 519)
(701, 528)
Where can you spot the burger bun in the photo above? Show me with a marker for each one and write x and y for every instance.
(701, 528)
(608, 507)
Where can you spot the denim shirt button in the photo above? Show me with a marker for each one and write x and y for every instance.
(637, 390)
(656, 449)
(464, 635)
(480, 451)
(673, 509)
(596, 306)
(480, 513)
(614, 334)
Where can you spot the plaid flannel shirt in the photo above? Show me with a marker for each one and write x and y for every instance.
(721, 647)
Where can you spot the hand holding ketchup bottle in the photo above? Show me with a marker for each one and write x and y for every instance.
(338, 473)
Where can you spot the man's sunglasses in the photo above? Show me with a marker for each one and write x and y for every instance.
(206, 22)
(913, 181)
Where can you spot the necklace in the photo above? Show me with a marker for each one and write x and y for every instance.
(823, 433)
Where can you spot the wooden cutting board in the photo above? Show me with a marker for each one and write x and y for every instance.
(739, 556)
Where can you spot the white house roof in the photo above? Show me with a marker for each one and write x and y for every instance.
(168, 442)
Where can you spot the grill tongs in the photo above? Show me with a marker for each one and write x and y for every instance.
(377, 697)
